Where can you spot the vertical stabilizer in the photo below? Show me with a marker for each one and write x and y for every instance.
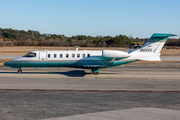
(155, 43)
(150, 51)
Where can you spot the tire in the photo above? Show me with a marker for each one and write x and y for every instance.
(96, 73)
(19, 71)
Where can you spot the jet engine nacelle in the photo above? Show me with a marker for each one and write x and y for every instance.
(109, 54)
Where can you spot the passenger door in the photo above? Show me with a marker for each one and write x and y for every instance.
(42, 56)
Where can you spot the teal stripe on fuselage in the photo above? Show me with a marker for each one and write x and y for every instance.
(40, 64)
(116, 63)
(80, 63)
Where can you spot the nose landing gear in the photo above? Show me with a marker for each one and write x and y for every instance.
(19, 71)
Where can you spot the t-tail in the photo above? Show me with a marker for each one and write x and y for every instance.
(150, 51)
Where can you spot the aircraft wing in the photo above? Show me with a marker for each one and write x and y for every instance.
(100, 66)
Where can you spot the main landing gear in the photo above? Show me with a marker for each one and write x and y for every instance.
(19, 71)
(95, 71)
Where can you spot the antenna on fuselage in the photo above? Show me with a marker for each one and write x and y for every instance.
(76, 47)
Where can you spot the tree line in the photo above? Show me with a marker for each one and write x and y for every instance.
(34, 38)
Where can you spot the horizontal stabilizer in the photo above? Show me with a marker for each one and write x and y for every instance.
(154, 58)
(162, 35)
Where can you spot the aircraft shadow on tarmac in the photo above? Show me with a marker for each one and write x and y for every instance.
(72, 73)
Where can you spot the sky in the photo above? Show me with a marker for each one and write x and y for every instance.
(135, 18)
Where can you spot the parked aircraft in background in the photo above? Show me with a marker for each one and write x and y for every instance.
(95, 59)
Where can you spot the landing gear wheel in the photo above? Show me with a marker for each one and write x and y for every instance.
(19, 71)
(95, 73)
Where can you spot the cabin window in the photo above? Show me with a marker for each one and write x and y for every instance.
(78, 55)
(73, 55)
(88, 55)
(61, 55)
(49, 55)
(55, 55)
(30, 55)
(83, 55)
(67, 55)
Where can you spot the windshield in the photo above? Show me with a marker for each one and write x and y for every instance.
(30, 55)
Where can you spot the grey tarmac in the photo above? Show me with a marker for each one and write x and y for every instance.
(10, 56)
(130, 77)
(149, 91)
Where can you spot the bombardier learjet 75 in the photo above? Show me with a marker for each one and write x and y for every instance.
(95, 59)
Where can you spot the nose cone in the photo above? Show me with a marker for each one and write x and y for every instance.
(6, 64)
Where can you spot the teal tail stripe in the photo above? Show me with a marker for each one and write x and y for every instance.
(160, 37)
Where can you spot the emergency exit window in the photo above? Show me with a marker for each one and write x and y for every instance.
(49, 55)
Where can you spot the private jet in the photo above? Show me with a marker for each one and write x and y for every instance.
(92, 59)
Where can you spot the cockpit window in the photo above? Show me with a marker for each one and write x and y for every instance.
(30, 55)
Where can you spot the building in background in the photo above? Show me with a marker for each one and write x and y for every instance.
(136, 45)
(6, 43)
